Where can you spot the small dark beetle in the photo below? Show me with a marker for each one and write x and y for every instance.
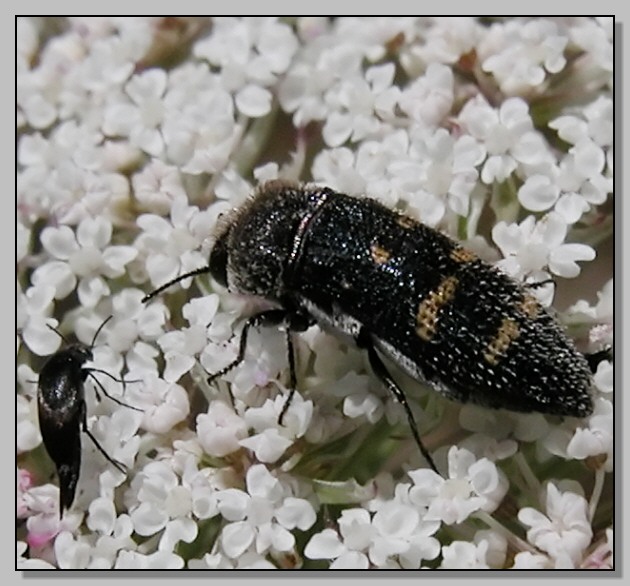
(402, 289)
(62, 412)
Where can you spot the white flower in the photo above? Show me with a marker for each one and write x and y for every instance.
(495, 546)
(27, 434)
(164, 404)
(596, 37)
(33, 309)
(445, 40)
(538, 193)
(117, 435)
(27, 41)
(80, 552)
(23, 563)
(360, 105)
(564, 532)
(531, 246)
(302, 92)
(157, 185)
(593, 122)
(318, 70)
(131, 332)
(104, 63)
(71, 552)
(37, 91)
(263, 516)
(462, 555)
(203, 485)
(220, 429)
(181, 346)
(69, 192)
(449, 168)
(520, 55)
(363, 403)
(22, 241)
(158, 560)
(336, 167)
(170, 247)
(599, 314)
(116, 536)
(40, 505)
(135, 134)
(604, 377)
(249, 560)
(585, 173)
(140, 114)
(599, 317)
(251, 54)
(597, 438)
(429, 98)
(163, 504)
(507, 134)
(525, 560)
(267, 446)
(395, 537)
(271, 439)
(601, 556)
(265, 359)
(472, 485)
(201, 134)
(86, 255)
(24, 481)
(348, 551)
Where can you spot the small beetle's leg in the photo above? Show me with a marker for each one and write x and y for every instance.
(364, 341)
(118, 465)
(594, 358)
(118, 380)
(89, 372)
(271, 317)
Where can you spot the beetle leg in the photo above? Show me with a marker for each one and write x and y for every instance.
(272, 317)
(364, 341)
(118, 465)
(292, 377)
(594, 358)
(539, 284)
(89, 372)
(299, 321)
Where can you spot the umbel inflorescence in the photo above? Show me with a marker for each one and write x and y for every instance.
(490, 138)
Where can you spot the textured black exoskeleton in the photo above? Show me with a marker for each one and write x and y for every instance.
(62, 412)
(401, 289)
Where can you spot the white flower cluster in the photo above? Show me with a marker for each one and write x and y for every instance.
(136, 133)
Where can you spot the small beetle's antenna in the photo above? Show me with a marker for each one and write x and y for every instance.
(98, 331)
(159, 290)
(59, 334)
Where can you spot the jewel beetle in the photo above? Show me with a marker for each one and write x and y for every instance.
(399, 289)
(62, 411)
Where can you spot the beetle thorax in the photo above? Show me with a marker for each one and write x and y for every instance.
(261, 242)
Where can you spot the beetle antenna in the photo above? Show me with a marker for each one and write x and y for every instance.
(199, 271)
(59, 334)
(98, 331)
